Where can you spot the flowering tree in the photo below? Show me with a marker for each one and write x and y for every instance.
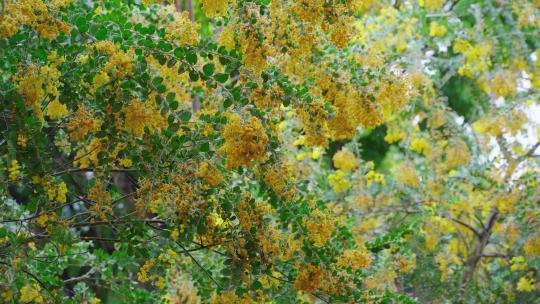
(323, 151)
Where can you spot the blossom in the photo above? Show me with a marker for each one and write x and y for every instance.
(525, 284)
(354, 258)
(420, 145)
(407, 175)
(57, 110)
(14, 170)
(245, 142)
(345, 160)
(142, 275)
(339, 181)
(436, 30)
(214, 8)
(30, 292)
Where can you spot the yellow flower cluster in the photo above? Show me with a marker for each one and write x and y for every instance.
(436, 30)
(21, 140)
(245, 142)
(227, 37)
(504, 84)
(35, 84)
(210, 173)
(394, 134)
(33, 13)
(101, 198)
(373, 176)
(407, 175)
(320, 226)
(476, 57)
(309, 278)
(44, 219)
(420, 145)
(345, 160)
(57, 110)
(457, 153)
(58, 192)
(87, 154)
(181, 29)
(339, 181)
(518, 263)
(431, 4)
(532, 246)
(82, 123)
(140, 115)
(31, 292)
(214, 8)
(14, 170)
(142, 275)
(406, 264)
(278, 177)
(526, 284)
(354, 258)
(120, 63)
(314, 119)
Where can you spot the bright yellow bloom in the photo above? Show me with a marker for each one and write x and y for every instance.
(142, 275)
(14, 170)
(525, 284)
(420, 145)
(30, 292)
(126, 162)
(214, 8)
(57, 110)
(245, 142)
(345, 160)
(436, 30)
(339, 181)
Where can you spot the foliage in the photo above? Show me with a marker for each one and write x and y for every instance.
(269, 151)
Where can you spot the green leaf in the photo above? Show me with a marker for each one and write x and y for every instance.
(209, 69)
(179, 53)
(173, 105)
(157, 81)
(161, 88)
(171, 96)
(194, 75)
(191, 57)
(204, 147)
(221, 77)
(101, 34)
(185, 116)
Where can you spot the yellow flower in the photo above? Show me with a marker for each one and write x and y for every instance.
(126, 162)
(525, 284)
(354, 258)
(30, 292)
(226, 39)
(518, 263)
(316, 153)
(214, 8)
(436, 30)
(345, 160)
(142, 275)
(373, 176)
(431, 4)
(407, 175)
(14, 170)
(210, 173)
(99, 80)
(245, 142)
(339, 181)
(420, 145)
